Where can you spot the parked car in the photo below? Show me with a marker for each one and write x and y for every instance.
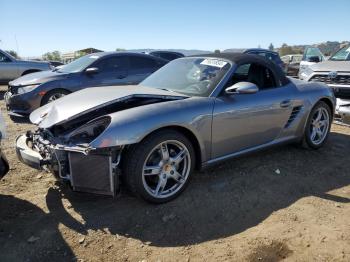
(335, 72)
(27, 93)
(268, 54)
(292, 64)
(312, 55)
(4, 166)
(167, 55)
(343, 110)
(12, 68)
(56, 63)
(192, 113)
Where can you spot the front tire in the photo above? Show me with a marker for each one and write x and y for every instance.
(158, 169)
(318, 126)
(53, 95)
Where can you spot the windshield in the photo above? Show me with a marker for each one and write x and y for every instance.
(79, 64)
(342, 54)
(194, 76)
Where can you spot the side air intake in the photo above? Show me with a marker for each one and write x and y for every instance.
(293, 115)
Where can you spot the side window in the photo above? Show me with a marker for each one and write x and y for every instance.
(4, 58)
(254, 73)
(240, 75)
(312, 52)
(113, 64)
(138, 63)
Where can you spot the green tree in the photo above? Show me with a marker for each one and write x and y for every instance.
(13, 53)
(271, 47)
(52, 56)
(120, 49)
(79, 54)
(217, 51)
(286, 50)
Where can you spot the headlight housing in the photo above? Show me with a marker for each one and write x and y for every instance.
(26, 89)
(88, 132)
(305, 71)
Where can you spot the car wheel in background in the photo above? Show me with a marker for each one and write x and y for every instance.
(318, 126)
(158, 168)
(29, 72)
(53, 95)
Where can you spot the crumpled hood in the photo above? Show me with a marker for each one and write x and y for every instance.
(89, 99)
(38, 78)
(332, 66)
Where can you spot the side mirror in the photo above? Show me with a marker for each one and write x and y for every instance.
(314, 59)
(242, 88)
(91, 70)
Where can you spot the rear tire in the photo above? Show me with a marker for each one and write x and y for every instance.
(53, 95)
(158, 169)
(318, 126)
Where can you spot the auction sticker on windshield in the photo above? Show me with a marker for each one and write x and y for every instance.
(214, 62)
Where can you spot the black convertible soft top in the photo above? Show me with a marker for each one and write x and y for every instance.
(240, 58)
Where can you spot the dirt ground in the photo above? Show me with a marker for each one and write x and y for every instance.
(284, 203)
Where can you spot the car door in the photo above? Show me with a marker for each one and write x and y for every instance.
(141, 67)
(8, 68)
(245, 121)
(112, 70)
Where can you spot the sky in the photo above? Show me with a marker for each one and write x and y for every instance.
(34, 27)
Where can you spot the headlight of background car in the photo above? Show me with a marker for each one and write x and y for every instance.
(88, 132)
(26, 89)
(305, 71)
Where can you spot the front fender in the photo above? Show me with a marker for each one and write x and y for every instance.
(133, 125)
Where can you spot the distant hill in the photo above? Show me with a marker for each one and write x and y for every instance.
(183, 51)
(327, 48)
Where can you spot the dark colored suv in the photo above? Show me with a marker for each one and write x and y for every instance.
(271, 55)
(167, 55)
(29, 92)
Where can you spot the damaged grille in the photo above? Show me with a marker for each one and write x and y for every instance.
(338, 80)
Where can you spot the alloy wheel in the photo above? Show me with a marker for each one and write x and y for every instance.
(319, 126)
(166, 169)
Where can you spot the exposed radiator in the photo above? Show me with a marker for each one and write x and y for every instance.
(91, 173)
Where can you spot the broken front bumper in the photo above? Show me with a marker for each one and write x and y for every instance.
(94, 172)
(27, 155)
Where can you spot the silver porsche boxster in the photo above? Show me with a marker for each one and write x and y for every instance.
(191, 113)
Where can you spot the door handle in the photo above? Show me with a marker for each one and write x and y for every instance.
(286, 103)
(121, 77)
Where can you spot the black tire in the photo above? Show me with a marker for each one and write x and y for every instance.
(307, 141)
(48, 95)
(135, 158)
(29, 72)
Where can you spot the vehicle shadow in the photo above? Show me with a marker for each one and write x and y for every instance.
(29, 234)
(20, 119)
(221, 202)
(2, 93)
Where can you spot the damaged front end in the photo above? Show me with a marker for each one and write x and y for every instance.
(70, 157)
(76, 137)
